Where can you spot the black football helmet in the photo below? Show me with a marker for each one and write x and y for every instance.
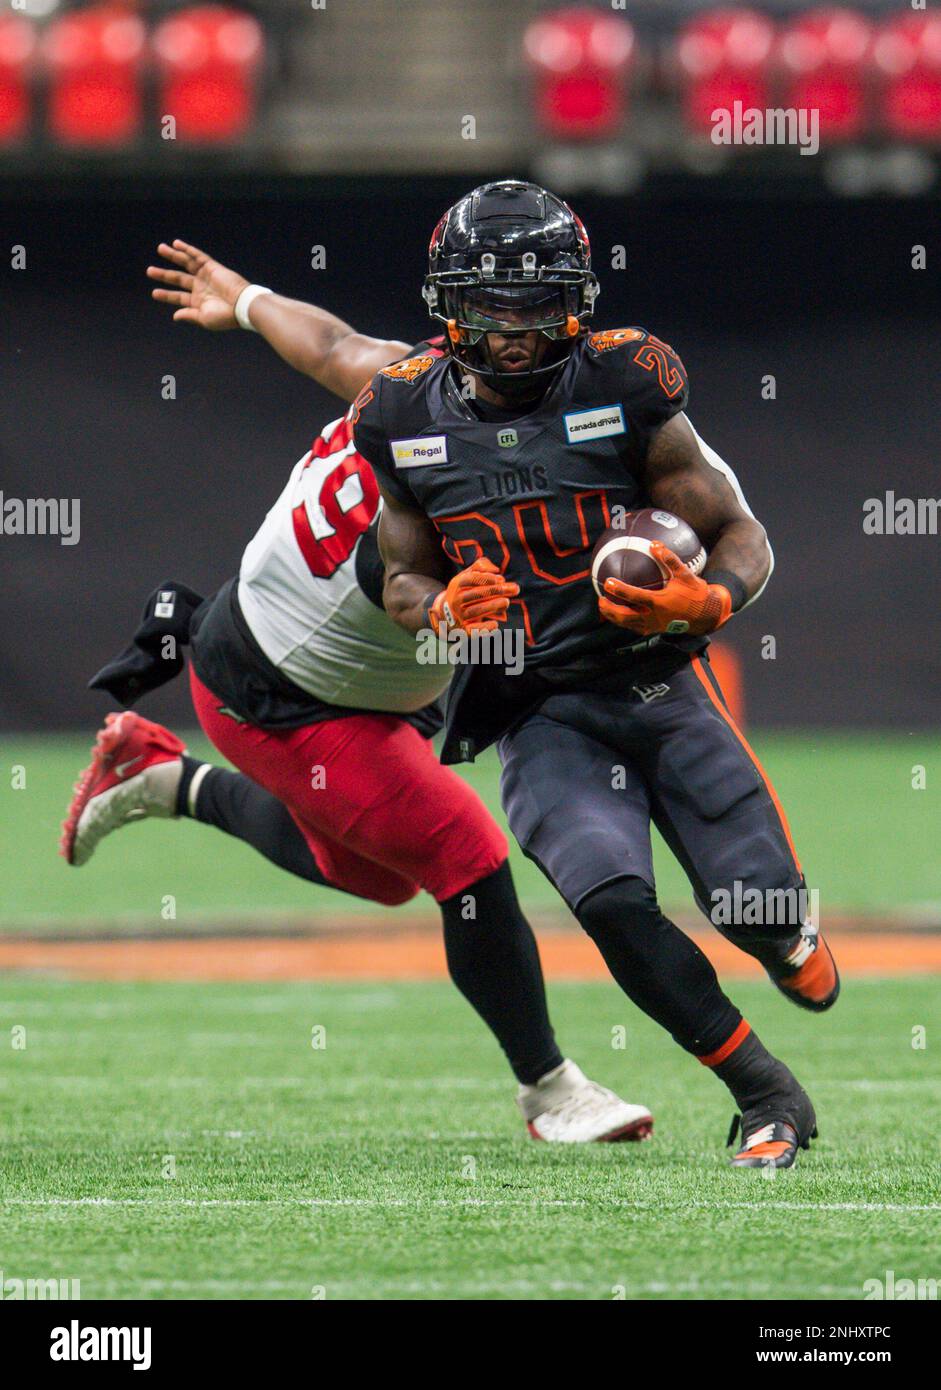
(510, 258)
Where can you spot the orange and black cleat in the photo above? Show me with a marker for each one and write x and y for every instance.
(773, 1130)
(807, 975)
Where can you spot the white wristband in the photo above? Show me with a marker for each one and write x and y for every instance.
(245, 301)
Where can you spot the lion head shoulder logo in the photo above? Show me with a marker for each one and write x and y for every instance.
(614, 338)
(409, 370)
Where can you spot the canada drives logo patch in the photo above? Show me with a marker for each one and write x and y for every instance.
(614, 337)
(418, 453)
(594, 424)
(408, 370)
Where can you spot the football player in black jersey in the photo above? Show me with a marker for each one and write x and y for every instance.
(394, 820)
(501, 464)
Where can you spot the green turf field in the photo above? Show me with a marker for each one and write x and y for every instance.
(868, 840)
(391, 1162)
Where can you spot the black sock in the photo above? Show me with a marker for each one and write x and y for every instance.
(494, 961)
(751, 1073)
(658, 966)
(234, 803)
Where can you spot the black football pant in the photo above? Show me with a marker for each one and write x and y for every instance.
(584, 777)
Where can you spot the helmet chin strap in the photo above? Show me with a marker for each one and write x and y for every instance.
(514, 386)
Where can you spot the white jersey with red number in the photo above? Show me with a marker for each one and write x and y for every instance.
(299, 593)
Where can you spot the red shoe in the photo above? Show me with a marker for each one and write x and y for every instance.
(134, 772)
(808, 975)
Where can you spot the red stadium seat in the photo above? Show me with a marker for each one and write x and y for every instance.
(724, 56)
(908, 57)
(17, 46)
(94, 59)
(825, 57)
(208, 60)
(581, 59)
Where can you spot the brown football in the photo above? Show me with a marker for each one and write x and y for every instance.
(623, 551)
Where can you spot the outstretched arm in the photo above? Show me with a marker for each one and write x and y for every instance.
(311, 340)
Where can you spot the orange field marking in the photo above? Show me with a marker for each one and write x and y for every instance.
(404, 956)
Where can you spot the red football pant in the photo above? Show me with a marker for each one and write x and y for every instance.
(382, 817)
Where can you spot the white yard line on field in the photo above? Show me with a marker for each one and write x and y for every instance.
(315, 1077)
(390, 1288)
(626, 1202)
(334, 1085)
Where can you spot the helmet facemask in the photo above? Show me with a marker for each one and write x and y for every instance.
(473, 304)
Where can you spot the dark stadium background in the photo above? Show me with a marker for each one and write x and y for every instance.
(172, 1127)
(818, 292)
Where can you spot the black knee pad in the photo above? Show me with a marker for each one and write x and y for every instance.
(630, 904)
(657, 965)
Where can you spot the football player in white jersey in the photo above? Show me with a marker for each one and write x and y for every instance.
(302, 681)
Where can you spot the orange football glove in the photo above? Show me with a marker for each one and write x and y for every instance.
(476, 600)
(686, 603)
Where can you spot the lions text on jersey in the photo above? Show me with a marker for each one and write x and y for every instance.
(533, 492)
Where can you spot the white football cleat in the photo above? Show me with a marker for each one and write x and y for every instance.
(564, 1107)
(134, 772)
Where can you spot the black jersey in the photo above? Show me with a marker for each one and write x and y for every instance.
(532, 493)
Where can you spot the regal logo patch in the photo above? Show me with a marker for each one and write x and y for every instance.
(418, 453)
